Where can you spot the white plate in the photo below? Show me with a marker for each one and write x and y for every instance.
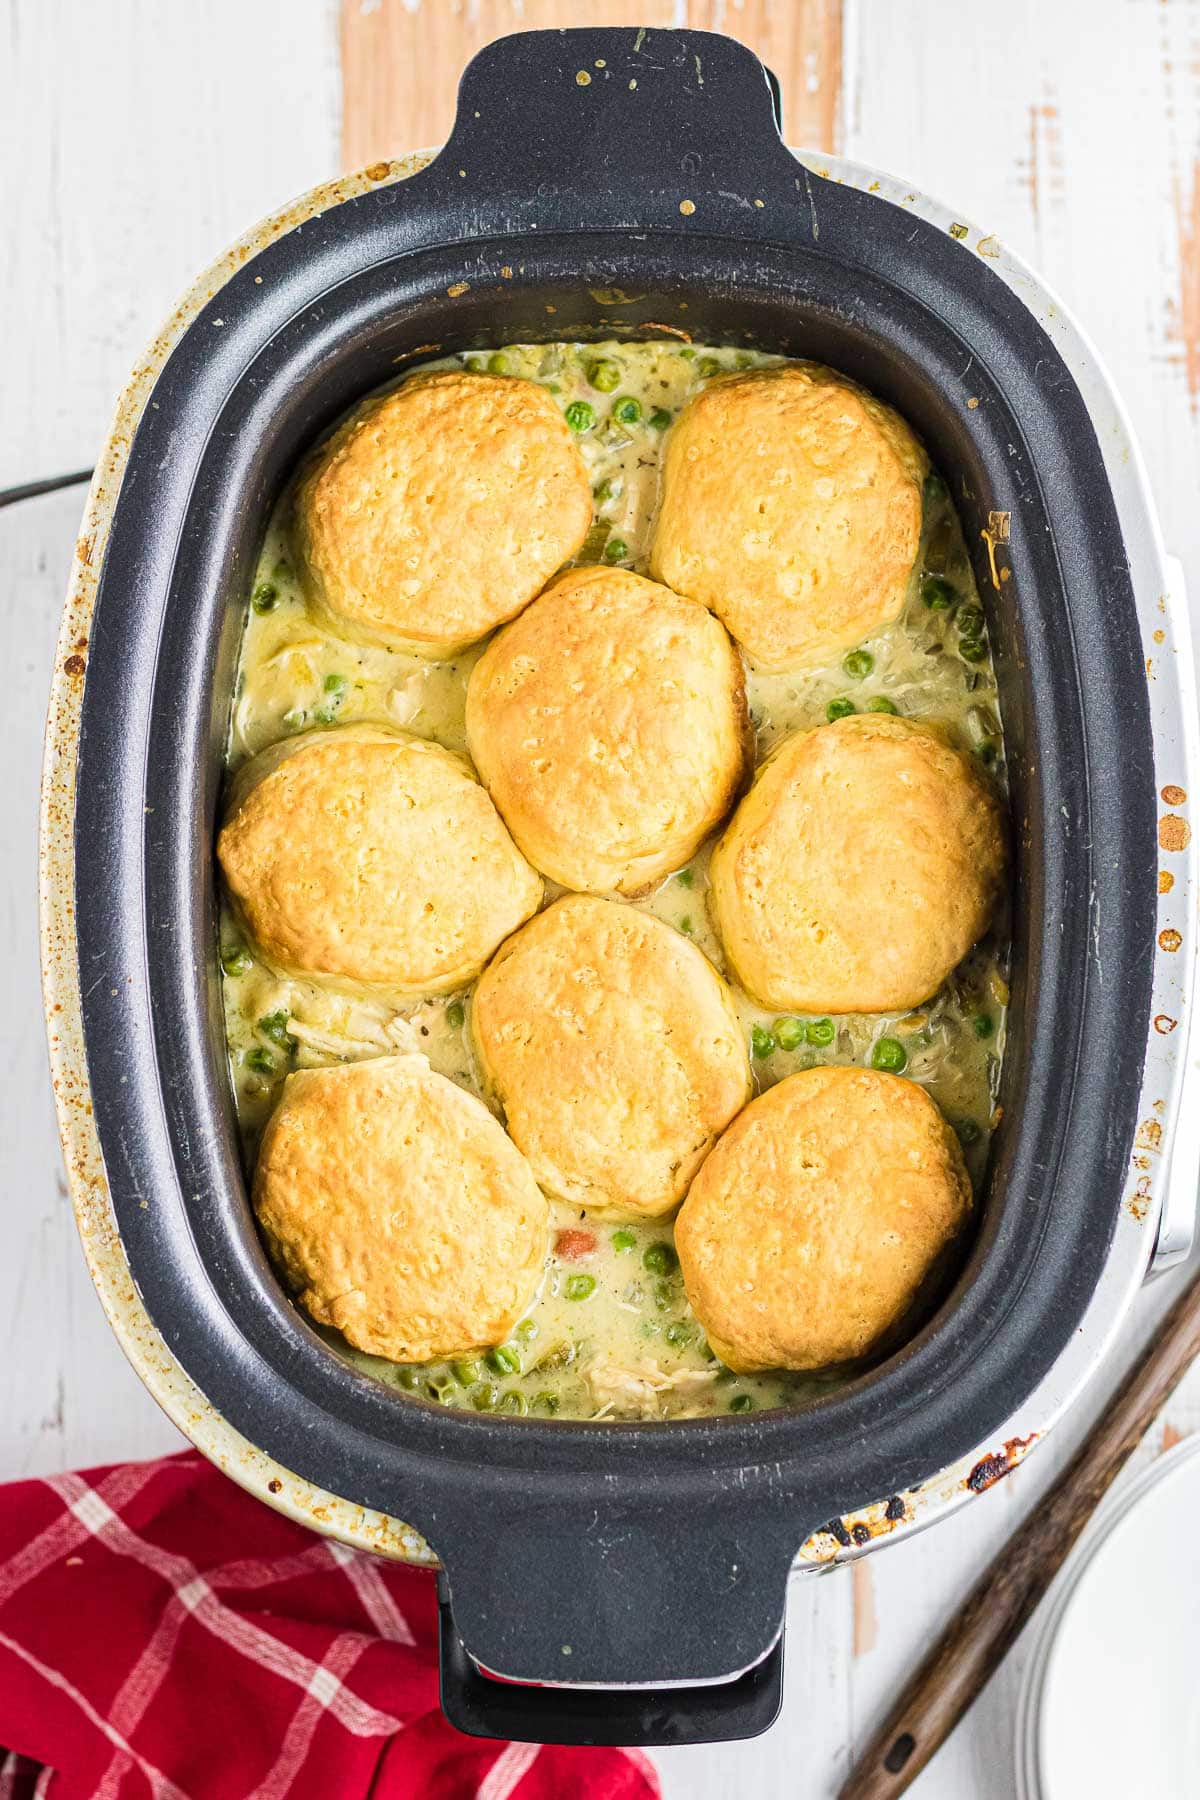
(1111, 1706)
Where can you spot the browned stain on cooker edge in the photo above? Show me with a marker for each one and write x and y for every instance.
(993, 1468)
(401, 60)
(1174, 833)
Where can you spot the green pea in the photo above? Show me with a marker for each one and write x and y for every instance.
(972, 650)
(707, 1352)
(623, 1240)
(881, 704)
(762, 1042)
(858, 664)
(688, 354)
(889, 1055)
(335, 687)
(664, 1296)
(660, 1258)
(261, 1061)
(275, 1026)
(513, 1401)
(504, 1360)
(820, 1032)
(580, 416)
(546, 1403)
(983, 1025)
(485, 1397)
(499, 364)
(627, 409)
(789, 1033)
(295, 718)
(660, 418)
(465, 1373)
(686, 878)
(604, 376)
(935, 489)
(968, 1131)
(685, 924)
(616, 550)
(236, 961)
(839, 709)
(937, 594)
(476, 365)
(607, 490)
(527, 1330)
(969, 620)
(408, 1376)
(580, 1287)
(708, 366)
(455, 1014)
(265, 597)
(679, 1334)
(741, 1403)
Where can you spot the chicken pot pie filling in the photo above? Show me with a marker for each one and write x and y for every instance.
(611, 1333)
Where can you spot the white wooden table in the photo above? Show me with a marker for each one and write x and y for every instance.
(138, 136)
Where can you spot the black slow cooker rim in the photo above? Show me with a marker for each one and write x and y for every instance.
(201, 466)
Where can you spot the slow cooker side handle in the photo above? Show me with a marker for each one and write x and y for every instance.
(714, 1712)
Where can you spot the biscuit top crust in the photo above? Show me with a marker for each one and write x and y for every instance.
(863, 864)
(792, 507)
(398, 1210)
(440, 510)
(374, 859)
(616, 1051)
(810, 1228)
(609, 724)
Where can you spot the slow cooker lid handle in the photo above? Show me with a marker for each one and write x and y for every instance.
(621, 129)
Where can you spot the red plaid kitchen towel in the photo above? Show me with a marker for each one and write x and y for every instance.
(164, 1634)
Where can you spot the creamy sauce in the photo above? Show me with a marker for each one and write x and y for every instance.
(628, 1346)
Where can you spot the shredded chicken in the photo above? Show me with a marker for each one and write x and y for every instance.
(362, 1037)
(405, 699)
(637, 1387)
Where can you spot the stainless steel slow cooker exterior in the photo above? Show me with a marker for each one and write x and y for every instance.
(1155, 1220)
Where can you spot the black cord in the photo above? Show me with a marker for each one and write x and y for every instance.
(31, 489)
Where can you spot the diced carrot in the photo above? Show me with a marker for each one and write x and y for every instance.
(573, 1243)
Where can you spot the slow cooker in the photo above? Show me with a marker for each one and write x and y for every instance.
(626, 1582)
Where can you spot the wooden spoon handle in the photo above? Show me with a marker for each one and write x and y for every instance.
(983, 1630)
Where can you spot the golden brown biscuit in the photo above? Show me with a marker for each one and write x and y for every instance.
(811, 1227)
(398, 1210)
(791, 505)
(440, 510)
(373, 860)
(609, 725)
(860, 868)
(615, 1049)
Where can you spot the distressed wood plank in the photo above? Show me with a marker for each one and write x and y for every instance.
(136, 141)
(401, 61)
